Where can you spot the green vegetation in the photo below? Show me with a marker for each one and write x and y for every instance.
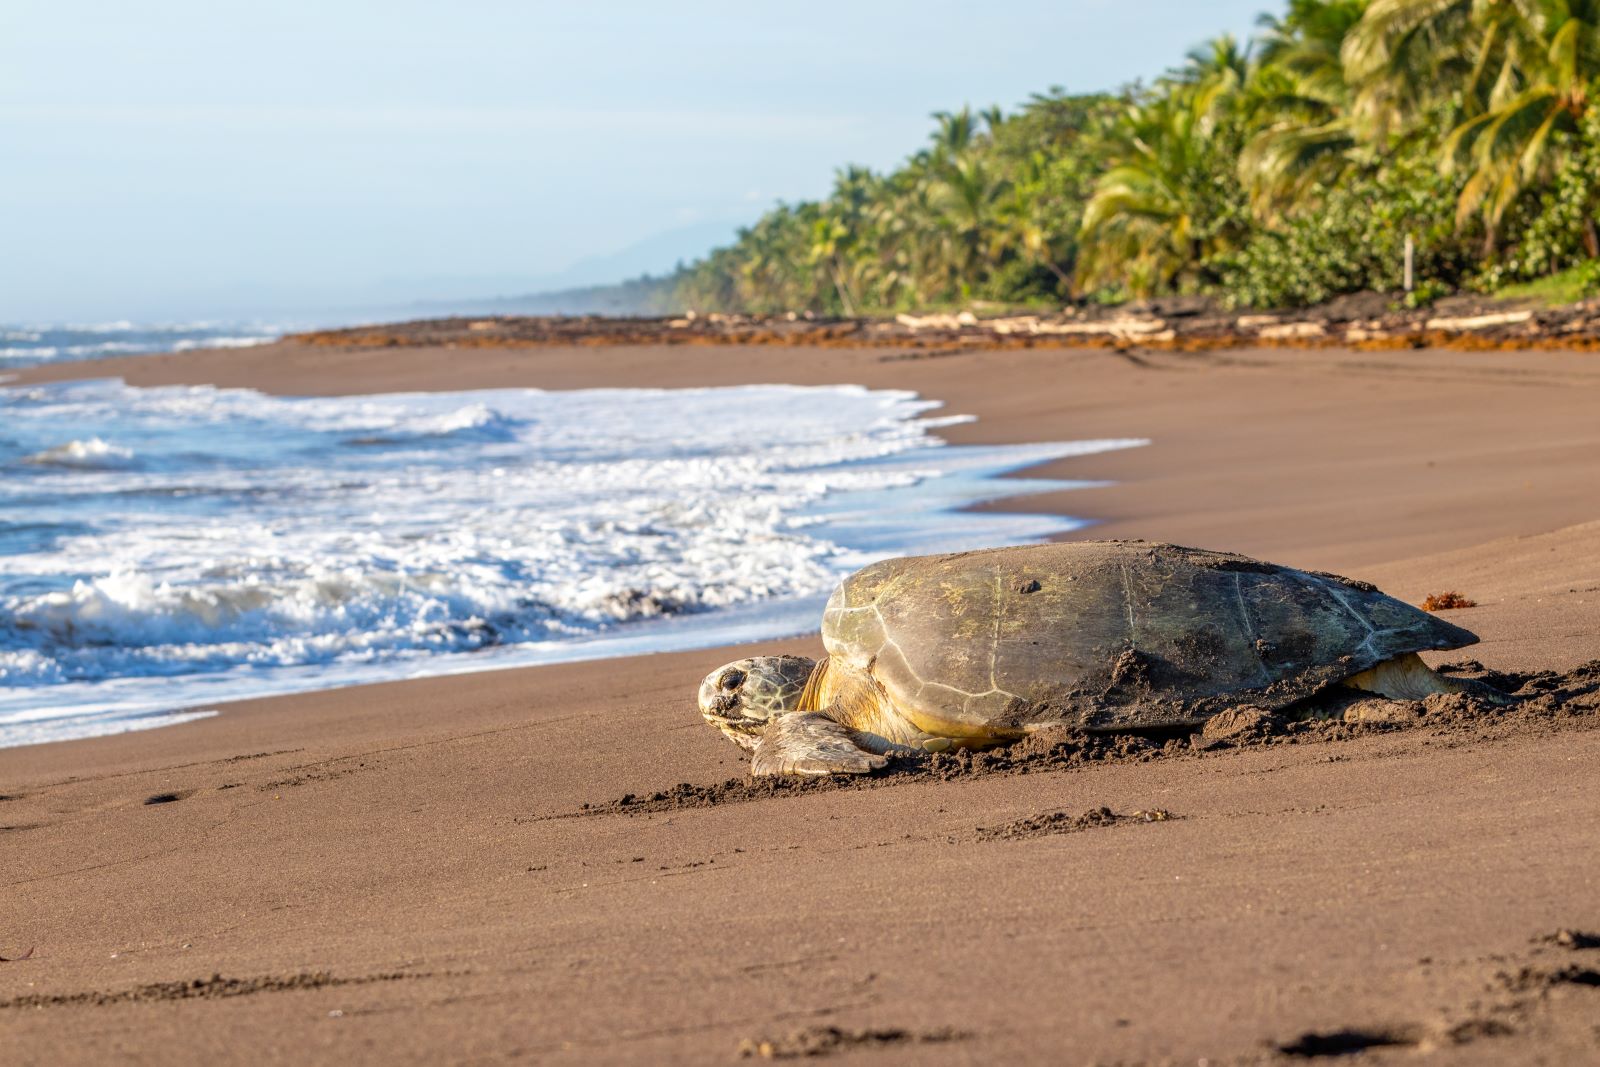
(1571, 285)
(1275, 174)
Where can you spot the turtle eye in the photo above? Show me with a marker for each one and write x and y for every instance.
(731, 679)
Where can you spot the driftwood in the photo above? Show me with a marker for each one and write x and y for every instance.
(1362, 321)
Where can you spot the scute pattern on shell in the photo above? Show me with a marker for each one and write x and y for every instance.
(1111, 634)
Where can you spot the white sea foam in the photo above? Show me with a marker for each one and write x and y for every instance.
(220, 341)
(92, 724)
(194, 545)
(90, 454)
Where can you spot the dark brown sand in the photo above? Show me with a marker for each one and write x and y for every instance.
(407, 872)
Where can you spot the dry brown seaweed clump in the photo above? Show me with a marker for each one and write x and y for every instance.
(1447, 601)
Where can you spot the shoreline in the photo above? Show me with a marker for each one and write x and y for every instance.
(416, 844)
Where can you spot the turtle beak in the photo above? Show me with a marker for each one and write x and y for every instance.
(742, 697)
(722, 704)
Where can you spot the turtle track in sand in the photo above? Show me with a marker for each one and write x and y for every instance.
(1520, 991)
(215, 987)
(1545, 701)
(1549, 983)
(1055, 823)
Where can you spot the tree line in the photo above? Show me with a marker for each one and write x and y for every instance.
(1278, 172)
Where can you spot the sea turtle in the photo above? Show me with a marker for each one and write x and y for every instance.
(974, 649)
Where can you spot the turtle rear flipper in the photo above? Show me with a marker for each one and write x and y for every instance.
(1408, 678)
(811, 744)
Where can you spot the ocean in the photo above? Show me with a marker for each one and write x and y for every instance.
(25, 346)
(164, 550)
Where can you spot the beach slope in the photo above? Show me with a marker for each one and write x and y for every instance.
(444, 869)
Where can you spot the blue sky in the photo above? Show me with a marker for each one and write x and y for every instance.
(176, 159)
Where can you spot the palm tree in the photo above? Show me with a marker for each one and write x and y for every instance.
(1399, 104)
(967, 198)
(1522, 71)
(1404, 56)
(1298, 97)
(1549, 56)
(1306, 42)
(956, 133)
(1027, 216)
(1215, 70)
(841, 237)
(1154, 213)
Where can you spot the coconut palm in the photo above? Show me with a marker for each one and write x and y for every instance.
(1548, 53)
(1154, 214)
(1298, 100)
(1307, 42)
(1215, 71)
(1521, 71)
(1404, 56)
(968, 198)
(1361, 109)
(957, 131)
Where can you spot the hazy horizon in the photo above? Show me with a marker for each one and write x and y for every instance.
(178, 162)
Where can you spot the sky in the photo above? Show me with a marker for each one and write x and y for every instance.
(173, 160)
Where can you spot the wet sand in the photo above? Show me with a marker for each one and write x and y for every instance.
(406, 871)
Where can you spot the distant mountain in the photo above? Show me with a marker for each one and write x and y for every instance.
(641, 296)
(629, 281)
(636, 280)
(654, 256)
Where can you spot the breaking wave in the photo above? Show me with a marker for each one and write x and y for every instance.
(192, 545)
(92, 454)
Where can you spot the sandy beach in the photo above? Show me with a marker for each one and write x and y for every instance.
(435, 871)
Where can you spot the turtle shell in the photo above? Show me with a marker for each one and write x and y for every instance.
(1109, 634)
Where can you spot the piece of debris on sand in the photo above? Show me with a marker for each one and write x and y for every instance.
(833, 1040)
(1447, 602)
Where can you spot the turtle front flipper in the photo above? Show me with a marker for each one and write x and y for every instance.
(811, 744)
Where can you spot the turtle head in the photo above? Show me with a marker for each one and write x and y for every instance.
(741, 697)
